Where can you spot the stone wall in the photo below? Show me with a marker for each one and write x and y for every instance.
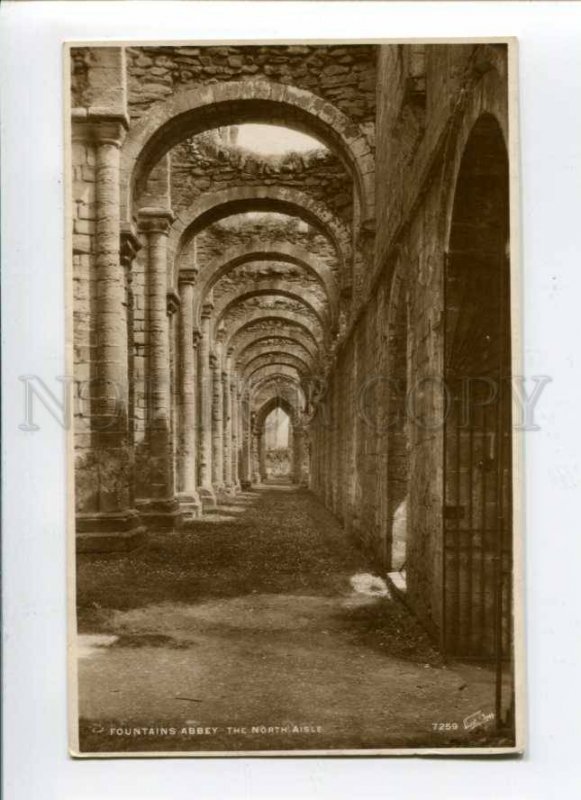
(344, 75)
(427, 104)
(199, 166)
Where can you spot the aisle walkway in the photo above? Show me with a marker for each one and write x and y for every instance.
(264, 619)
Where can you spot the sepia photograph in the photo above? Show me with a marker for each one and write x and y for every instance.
(295, 474)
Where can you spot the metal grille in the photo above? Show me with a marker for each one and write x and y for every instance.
(477, 513)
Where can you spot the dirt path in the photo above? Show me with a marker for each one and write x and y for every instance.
(260, 628)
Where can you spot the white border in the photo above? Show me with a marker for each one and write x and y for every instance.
(36, 764)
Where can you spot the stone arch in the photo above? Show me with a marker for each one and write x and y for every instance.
(272, 289)
(278, 381)
(477, 446)
(490, 98)
(282, 359)
(277, 401)
(272, 371)
(272, 316)
(212, 207)
(194, 109)
(286, 254)
(246, 341)
(283, 388)
(261, 416)
(274, 345)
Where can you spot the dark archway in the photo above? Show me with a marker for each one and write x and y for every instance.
(477, 437)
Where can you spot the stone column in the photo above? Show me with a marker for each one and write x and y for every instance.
(246, 432)
(130, 246)
(228, 422)
(188, 497)
(205, 490)
(235, 404)
(298, 453)
(217, 420)
(159, 509)
(262, 456)
(255, 451)
(106, 519)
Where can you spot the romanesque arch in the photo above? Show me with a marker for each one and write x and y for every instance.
(269, 252)
(275, 345)
(272, 320)
(250, 339)
(194, 109)
(271, 289)
(267, 359)
(212, 207)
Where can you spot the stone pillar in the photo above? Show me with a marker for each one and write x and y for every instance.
(106, 518)
(262, 456)
(187, 467)
(255, 451)
(246, 430)
(158, 505)
(217, 420)
(235, 404)
(298, 453)
(130, 246)
(228, 423)
(205, 490)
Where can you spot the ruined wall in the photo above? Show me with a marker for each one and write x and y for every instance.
(344, 75)
(199, 166)
(428, 101)
(215, 240)
(84, 299)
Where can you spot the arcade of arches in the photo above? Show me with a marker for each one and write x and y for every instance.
(335, 274)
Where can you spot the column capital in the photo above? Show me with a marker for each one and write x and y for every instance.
(99, 126)
(207, 309)
(173, 302)
(187, 277)
(129, 244)
(155, 219)
(196, 336)
(214, 360)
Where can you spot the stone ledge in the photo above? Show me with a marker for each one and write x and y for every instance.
(160, 515)
(111, 542)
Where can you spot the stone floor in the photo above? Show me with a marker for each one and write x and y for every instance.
(260, 628)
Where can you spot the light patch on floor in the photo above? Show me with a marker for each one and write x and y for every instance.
(370, 585)
(89, 645)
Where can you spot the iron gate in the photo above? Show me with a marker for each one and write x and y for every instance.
(477, 513)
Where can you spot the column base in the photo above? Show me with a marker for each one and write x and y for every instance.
(220, 492)
(245, 485)
(207, 497)
(160, 515)
(190, 506)
(109, 532)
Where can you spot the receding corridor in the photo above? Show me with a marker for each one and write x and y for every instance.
(292, 263)
(261, 615)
